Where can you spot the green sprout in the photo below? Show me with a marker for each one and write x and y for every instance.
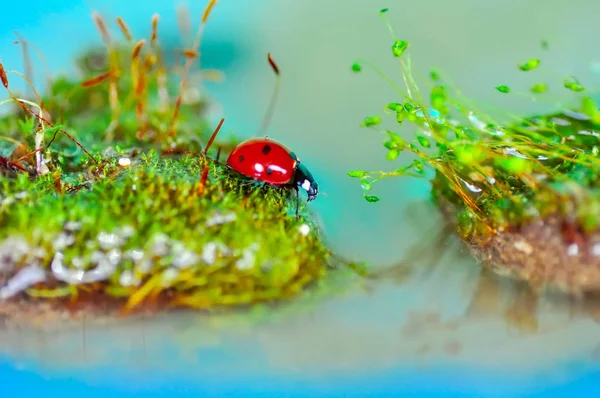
(493, 174)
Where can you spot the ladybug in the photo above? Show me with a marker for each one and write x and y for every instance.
(269, 161)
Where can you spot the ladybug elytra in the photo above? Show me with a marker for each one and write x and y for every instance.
(271, 162)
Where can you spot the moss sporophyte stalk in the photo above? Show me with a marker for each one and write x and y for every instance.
(524, 195)
(108, 199)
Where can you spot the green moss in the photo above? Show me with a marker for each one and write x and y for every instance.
(145, 228)
(133, 221)
(495, 175)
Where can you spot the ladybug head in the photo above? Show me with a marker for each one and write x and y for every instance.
(304, 179)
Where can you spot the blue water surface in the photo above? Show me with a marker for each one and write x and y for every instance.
(61, 28)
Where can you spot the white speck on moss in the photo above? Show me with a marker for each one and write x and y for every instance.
(109, 240)
(573, 249)
(126, 231)
(209, 253)
(124, 162)
(12, 250)
(72, 226)
(160, 245)
(25, 278)
(248, 257)
(128, 278)
(596, 249)
(102, 272)
(78, 262)
(135, 255)
(183, 258)
(304, 229)
(169, 275)
(523, 246)
(63, 240)
(21, 195)
(219, 219)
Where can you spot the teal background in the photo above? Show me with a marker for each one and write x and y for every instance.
(351, 344)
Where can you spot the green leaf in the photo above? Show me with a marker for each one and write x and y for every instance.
(399, 47)
(371, 121)
(573, 84)
(438, 99)
(371, 198)
(424, 141)
(514, 165)
(383, 11)
(418, 165)
(539, 88)
(530, 65)
(434, 75)
(503, 89)
(356, 67)
(392, 154)
(395, 107)
(356, 173)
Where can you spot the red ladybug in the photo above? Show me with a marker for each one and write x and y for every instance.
(269, 161)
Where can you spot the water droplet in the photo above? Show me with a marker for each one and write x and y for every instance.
(304, 229)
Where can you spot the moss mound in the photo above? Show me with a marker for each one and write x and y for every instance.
(104, 203)
(524, 193)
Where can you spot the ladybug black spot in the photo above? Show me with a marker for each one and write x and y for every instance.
(266, 149)
(241, 158)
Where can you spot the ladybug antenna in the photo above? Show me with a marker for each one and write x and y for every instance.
(271, 108)
(213, 136)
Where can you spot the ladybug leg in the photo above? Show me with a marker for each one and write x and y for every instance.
(218, 154)
(297, 202)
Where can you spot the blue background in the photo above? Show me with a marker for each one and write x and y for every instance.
(236, 41)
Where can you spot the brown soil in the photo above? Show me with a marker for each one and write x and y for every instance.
(542, 253)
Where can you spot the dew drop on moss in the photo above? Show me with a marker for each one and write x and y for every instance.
(503, 89)
(530, 65)
(399, 47)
